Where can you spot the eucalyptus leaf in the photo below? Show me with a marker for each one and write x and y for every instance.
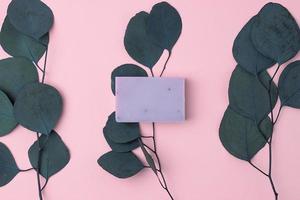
(121, 132)
(148, 157)
(122, 147)
(241, 136)
(275, 33)
(246, 54)
(121, 165)
(127, 70)
(15, 73)
(164, 25)
(7, 119)
(38, 107)
(8, 165)
(289, 85)
(31, 17)
(17, 44)
(248, 94)
(54, 156)
(138, 44)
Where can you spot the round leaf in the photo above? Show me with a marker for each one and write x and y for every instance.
(164, 25)
(275, 33)
(8, 166)
(121, 165)
(137, 43)
(17, 44)
(241, 137)
(126, 70)
(246, 54)
(121, 132)
(289, 85)
(54, 157)
(31, 17)
(248, 95)
(14, 74)
(122, 147)
(38, 107)
(7, 119)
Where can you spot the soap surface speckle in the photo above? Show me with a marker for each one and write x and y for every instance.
(147, 99)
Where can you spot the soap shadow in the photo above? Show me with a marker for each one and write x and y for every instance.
(189, 99)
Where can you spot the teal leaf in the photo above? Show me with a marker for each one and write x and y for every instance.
(248, 94)
(275, 33)
(15, 73)
(137, 43)
(121, 147)
(148, 157)
(241, 137)
(54, 156)
(31, 17)
(127, 70)
(8, 165)
(121, 132)
(121, 165)
(289, 85)
(245, 53)
(19, 45)
(38, 107)
(164, 25)
(7, 119)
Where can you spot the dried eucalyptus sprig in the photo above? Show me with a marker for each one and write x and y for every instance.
(147, 36)
(272, 36)
(25, 99)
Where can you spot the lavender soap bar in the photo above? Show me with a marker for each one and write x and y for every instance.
(144, 99)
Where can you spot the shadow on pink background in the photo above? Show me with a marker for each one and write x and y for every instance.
(87, 44)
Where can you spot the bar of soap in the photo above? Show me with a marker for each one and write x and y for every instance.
(147, 99)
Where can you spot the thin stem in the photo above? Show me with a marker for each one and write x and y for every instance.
(44, 186)
(165, 65)
(149, 148)
(146, 137)
(253, 165)
(26, 170)
(152, 73)
(45, 65)
(164, 185)
(38, 141)
(39, 167)
(271, 137)
(276, 119)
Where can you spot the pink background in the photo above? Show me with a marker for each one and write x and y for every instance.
(87, 44)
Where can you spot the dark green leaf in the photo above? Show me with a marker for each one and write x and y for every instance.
(148, 157)
(121, 165)
(248, 95)
(289, 85)
(122, 147)
(7, 119)
(18, 44)
(164, 25)
(275, 33)
(138, 44)
(8, 166)
(241, 137)
(14, 74)
(31, 17)
(121, 132)
(246, 54)
(54, 156)
(126, 70)
(38, 107)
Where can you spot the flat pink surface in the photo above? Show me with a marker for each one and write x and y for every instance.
(87, 44)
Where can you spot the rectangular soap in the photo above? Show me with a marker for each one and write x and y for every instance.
(147, 99)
